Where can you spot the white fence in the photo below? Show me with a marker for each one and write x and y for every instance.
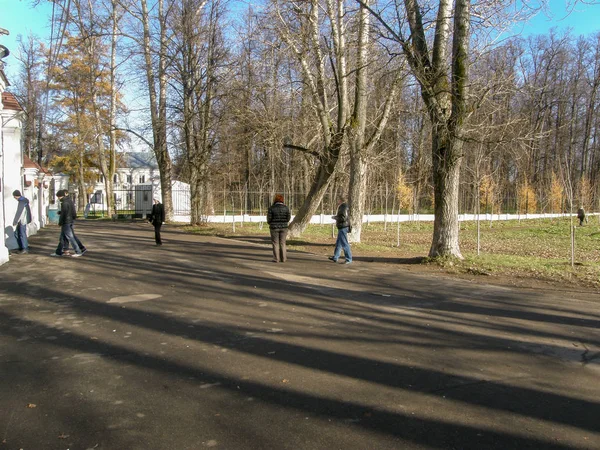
(323, 219)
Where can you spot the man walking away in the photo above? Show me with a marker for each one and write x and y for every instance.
(67, 216)
(22, 218)
(581, 216)
(278, 217)
(342, 222)
(157, 218)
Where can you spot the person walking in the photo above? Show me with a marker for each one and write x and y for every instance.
(67, 234)
(581, 215)
(157, 217)
(342, 222)
(278, 218)
(22, 218)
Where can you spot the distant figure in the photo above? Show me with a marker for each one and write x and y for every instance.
(581, 216)
(86, 211)
(342, 222)
(22, 218)
(278, 218)
(157, 218)
(67, 234)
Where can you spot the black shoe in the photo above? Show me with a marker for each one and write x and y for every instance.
(331, 258)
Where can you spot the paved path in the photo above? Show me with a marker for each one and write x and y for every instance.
(205, 343)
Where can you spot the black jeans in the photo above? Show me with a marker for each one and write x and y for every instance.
(157, 233)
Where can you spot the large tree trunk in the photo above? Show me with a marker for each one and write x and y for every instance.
(318, 188)
(446, 177)
(358, 152)
(333, 129)
(158, 104)
(446, 104)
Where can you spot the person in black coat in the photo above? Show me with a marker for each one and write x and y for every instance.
(581, 216)
(278, 218)
(67, 234)
(157, 218)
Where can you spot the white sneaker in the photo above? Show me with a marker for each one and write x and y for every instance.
(76, 255)
(54, 254)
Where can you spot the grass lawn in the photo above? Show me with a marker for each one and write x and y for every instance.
(523, 251)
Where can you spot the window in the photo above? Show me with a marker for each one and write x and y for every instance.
(100, 179)
(129, 179)
(142, 178)
(96, 197)
(115, 178)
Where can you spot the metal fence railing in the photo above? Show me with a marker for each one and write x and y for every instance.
(137, 203)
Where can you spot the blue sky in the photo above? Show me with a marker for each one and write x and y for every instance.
(19, 17)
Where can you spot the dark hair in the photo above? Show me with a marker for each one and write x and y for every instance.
(16, 193)
(278, 198)
(60, 193)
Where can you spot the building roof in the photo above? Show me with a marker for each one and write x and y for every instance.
(28, 163)
(139, 160)
(10, 102)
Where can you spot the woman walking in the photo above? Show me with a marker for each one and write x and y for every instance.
(278, 218)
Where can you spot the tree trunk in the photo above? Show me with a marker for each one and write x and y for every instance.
(158, 104)
(446, 176)
(318, 188)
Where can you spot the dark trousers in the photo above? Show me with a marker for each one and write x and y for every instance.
(21, 236)
(157, 233)
(67, 236)
(278, 240)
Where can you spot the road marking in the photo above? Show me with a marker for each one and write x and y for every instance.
(134, 298)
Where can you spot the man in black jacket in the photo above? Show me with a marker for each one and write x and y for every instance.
(67, 235)
(278, 217)
(342, 222)
(157, 218)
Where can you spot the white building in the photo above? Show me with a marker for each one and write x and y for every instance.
(18, 172)
(135, 183)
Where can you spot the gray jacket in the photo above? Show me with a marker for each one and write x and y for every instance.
(23, 214)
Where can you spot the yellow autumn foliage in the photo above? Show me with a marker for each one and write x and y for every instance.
(527, 199)
(556, 194)
(405, 194)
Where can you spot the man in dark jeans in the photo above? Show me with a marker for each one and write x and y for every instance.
(67, 235)
(22, 218)
(342, 222)
(157, 218)
(278, 217)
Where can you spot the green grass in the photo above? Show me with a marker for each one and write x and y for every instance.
(526, 249)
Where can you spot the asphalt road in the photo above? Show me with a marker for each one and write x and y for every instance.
(205, 343)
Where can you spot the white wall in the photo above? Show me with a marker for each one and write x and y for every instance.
(3, 248)
(12, 164)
